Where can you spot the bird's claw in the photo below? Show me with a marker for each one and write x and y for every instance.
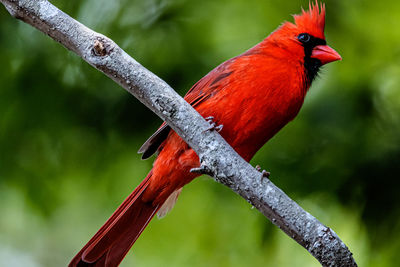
(264, 173)
(202, 169)
(213, 125)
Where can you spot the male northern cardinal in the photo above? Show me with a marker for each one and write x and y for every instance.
(252, 95)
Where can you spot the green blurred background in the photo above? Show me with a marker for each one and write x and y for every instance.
(69, 135)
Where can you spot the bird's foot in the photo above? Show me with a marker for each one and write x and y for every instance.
(213, 125)
(202, 169)
(264, 173)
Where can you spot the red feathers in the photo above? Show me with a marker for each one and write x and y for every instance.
(110, 244)
(312, 21)
(252, 95)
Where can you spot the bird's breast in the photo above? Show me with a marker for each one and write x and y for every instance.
(254, 109)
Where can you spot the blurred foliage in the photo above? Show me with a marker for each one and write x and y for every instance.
(69, 135)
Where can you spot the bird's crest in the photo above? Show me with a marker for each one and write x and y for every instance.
(313, 20)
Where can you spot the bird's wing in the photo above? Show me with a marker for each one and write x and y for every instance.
(200, 92)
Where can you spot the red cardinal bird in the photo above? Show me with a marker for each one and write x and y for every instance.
(252, 95)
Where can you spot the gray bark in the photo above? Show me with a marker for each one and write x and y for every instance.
(217, 158)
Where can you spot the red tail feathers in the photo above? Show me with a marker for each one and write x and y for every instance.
(110, 244)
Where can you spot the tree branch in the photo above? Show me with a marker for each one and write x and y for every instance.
(217, 158)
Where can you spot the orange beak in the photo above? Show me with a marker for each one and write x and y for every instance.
(325, 54)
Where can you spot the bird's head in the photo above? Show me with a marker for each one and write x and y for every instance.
(305, 39)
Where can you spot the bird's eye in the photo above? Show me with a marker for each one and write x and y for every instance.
(304, 38)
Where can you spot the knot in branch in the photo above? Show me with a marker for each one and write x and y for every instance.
(101, 47)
